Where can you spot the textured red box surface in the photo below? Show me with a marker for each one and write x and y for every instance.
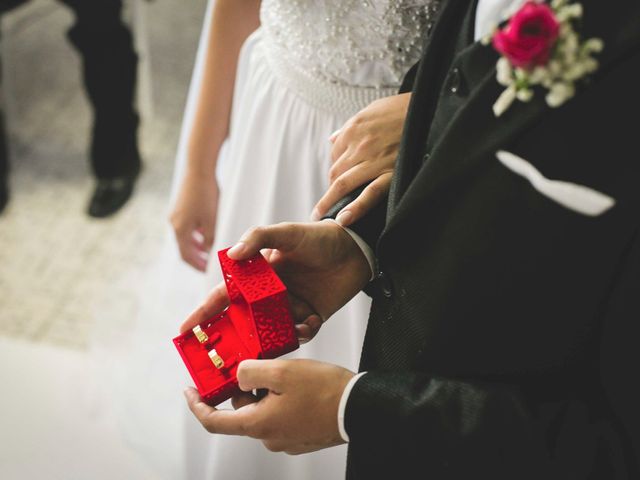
(257, 324)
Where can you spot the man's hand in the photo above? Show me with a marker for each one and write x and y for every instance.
(308, 323)
(365, 150)
(320, 264)
(298, 415)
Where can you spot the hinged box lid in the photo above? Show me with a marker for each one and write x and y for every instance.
(257, 324)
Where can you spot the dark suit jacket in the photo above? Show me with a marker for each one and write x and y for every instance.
(503, 338)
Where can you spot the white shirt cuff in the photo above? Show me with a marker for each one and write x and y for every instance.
(366, 249)
(343, 405)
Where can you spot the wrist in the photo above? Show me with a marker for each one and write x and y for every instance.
(360, 245)
(197, 173)
(202, 159)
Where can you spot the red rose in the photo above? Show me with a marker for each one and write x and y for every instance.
(529, 37)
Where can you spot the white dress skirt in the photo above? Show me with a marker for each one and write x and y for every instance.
(300, 77)
(309, 68)
(274, 167)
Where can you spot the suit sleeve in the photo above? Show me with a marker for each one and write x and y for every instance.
(532, 425)
(451, 428)
(444, 427)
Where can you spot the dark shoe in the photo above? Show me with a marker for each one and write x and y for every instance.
(110, 195)
(4, 197)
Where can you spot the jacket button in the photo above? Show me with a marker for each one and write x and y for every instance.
(426, 157)
(454, 80)
(385, 284)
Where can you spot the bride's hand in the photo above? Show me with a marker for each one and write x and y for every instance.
(194, 217)
(365, 150)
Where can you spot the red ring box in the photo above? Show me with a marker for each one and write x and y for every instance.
(257, 324)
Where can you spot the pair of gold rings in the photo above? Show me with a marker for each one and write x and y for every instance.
(203, 338)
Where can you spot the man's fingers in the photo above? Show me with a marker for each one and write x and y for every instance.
(256, 374)
(299, 309)
(309, 328)
(215, 303)
(243, 399)
(282, 236)
(227, 422)
(303, 333)
(369, 198)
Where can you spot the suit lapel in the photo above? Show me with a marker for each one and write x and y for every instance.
(431, 73)
(474, 133)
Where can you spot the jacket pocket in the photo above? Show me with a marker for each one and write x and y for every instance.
(578, 198)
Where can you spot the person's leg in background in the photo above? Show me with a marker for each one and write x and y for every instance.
(110, 73)
(4, 149)
(4, 161)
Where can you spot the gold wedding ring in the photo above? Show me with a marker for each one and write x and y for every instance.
(202, 337)
(216, 359)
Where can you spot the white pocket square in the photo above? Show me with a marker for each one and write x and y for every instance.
(575, 197)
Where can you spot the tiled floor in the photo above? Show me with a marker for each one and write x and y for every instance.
(55, 263)
(61, 271)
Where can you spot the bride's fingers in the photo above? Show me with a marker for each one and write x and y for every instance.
(369, 198)
(191, 255)
(215, 303)
(334, 135)
(340, 143)
(190, 250)
(205, 237)
(347, 161)
(342, 186)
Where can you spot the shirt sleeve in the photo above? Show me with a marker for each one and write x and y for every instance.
(343, 405)
(366, 249)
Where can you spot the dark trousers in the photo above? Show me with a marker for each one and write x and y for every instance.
(109, 65)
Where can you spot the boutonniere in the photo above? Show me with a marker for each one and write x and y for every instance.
(539, 46)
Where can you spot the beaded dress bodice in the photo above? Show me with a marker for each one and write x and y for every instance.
(351, 43)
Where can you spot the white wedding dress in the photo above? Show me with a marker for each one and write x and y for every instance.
(310, 66)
